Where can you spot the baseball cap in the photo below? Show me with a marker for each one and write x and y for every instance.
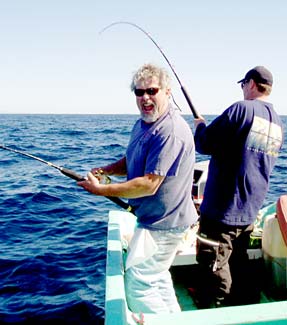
(260, 75)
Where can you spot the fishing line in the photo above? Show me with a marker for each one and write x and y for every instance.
(70, 173)
(183, 89)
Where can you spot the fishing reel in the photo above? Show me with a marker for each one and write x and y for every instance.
(102, 177)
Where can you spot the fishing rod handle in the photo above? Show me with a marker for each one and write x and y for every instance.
(72, 174)
(121, 203)
(186, 95)
(116, 200)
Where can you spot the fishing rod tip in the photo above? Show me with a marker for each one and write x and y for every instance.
(118, 23)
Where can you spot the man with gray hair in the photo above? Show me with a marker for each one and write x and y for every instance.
(159, 165)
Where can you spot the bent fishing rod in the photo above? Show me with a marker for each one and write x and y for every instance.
(183, 89)
(69, 173)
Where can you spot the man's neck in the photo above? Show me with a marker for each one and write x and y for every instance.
(261, 97)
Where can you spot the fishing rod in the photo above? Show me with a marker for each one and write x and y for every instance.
(70, 173)
(183, 89)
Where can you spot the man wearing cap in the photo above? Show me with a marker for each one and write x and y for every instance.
(243, 143)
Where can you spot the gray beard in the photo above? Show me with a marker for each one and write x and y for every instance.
(150, 118)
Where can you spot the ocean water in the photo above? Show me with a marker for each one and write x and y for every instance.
(52, 232)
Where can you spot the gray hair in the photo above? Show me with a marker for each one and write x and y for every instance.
(148, 71)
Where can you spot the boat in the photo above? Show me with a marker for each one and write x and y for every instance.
(267, 254)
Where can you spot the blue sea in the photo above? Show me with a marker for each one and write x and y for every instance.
(52, 232)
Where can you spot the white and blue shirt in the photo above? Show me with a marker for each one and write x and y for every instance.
(243, 142)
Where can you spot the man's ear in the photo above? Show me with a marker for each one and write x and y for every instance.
(252, 84)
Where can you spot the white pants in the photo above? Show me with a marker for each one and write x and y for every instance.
(148, 284)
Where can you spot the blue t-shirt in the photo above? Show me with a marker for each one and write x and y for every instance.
(244, 143)
(165, 148)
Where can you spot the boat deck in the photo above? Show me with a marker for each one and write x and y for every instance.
(185, 277)
(256, 309)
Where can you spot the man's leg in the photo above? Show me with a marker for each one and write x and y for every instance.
(149, 286)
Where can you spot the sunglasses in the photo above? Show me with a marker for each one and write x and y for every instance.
(244, 82)
(150, 91)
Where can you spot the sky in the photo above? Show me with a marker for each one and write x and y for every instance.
(56, 58)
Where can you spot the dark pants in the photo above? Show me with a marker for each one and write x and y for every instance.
(223, 262)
